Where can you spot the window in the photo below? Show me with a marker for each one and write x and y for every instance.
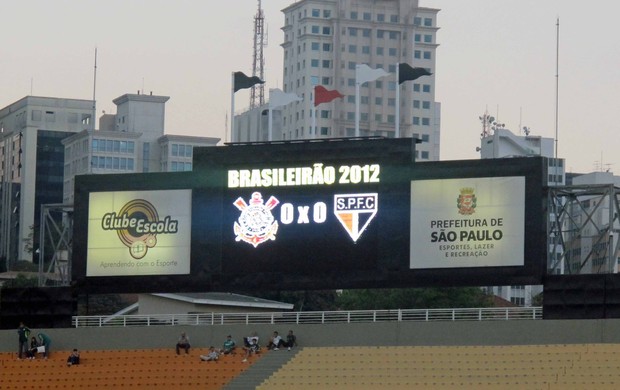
(427, 55)
(391, 119)
(175, 150)
(428, 38)
(392, 68)
(379, 50)
(350, 116)
(315, 29)
(364, 99)
(327, 13)
(426, 88)
(366, 32)
(428, 22)
(327, 47)
(326, 81)
(426, 105)
(316, 13)
(392, 102)
(418, 37)
(416, 120)
(392, 52)
(417, 54)
(391, 85)
(324, 130)
(424, 155)
(352, 65)
(352, 48)
(366, 16)
(351, 82)
(352, 31)
(378, 101)
(380, 34)
(416, 87)
(314, 63)
(364, 116)
(315, 46)
(380, 17)
(426, 122)
(365, 49)
(354, 15)
(325, 114)
(351, 98)
(417, 21)
(416, 104)
(393, 34)
(327, 64)
(327, 30)
(378, 118)
(393, 18)
(378, 84)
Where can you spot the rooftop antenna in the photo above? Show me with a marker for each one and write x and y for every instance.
(257, 92)
(94, 114)
(557, 77)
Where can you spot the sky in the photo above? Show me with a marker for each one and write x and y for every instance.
(494, 55)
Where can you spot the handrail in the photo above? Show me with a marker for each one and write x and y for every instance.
(314, 317)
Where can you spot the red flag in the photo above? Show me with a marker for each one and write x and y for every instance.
(323, 95)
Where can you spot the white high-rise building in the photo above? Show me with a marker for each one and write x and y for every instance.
(324, 40)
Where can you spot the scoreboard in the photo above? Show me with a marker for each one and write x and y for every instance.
(311, 215)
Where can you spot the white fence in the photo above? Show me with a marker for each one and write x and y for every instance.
(314, 317)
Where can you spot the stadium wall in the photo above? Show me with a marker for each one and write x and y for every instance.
(513, 332)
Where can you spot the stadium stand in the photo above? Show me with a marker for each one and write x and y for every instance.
(578, 366)
(136, 368)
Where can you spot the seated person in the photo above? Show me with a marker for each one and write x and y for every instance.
(276, 342)
(183, 343)
(31, 353)
(252, 348)
(246, 340)
(291, 340)
(74, 358)
(213, 355)
(229, 345)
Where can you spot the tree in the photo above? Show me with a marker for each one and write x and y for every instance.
(413, 298)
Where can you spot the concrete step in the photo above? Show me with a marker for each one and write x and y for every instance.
(270, 362)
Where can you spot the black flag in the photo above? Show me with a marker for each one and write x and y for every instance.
(406, 72)
(242, 81)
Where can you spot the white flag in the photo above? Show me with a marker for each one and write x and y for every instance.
(364, 73)
(279, 98)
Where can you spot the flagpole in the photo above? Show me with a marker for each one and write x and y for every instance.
(313, 130)
(232, 107)
(357, 108)
(270, 125)
(397, 120)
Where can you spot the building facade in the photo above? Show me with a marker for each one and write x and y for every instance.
(324, 40)
(45, 142)
(499, 142)
(31, 158)
(130, 141)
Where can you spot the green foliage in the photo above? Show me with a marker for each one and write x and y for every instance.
(21, 281)
(24, 266)
(413, 298)
(537, 300)
(322, 300)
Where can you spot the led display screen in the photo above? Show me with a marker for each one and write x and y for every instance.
(139, 233)
(474, 222)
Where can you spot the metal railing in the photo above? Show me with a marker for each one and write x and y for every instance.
(313, 317)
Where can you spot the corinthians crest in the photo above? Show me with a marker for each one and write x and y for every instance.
(256, 223)
(466, 202)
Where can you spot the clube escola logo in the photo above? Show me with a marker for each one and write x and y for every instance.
(137, 225)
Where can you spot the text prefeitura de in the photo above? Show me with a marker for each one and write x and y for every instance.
(318, 174)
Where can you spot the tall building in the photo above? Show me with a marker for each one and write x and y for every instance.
(130, 141)
(31, 165)
(324, 40)
(45, 142)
